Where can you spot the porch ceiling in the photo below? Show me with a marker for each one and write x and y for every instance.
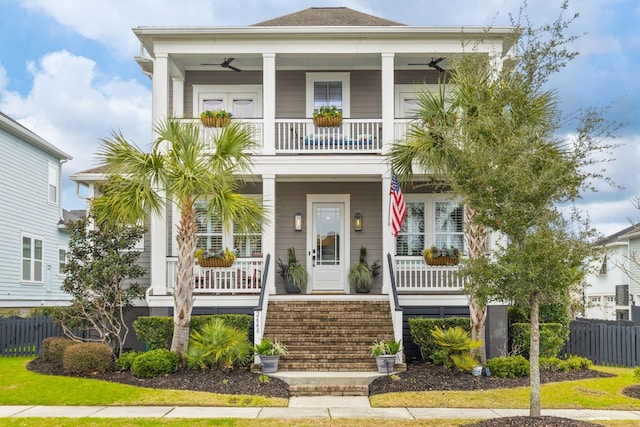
(309, 61)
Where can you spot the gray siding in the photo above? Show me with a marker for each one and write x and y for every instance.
(366, 198)
(25, 208)
(217, 78)
(366, 90)
(416, 77)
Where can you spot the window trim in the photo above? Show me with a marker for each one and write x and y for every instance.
(429, 201)
(32, 260)
(345, 78)
(226, 92)
(55, 169)
(66, 252)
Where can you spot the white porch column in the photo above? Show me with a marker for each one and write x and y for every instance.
(269, 103)
(269, 230)
(388, 103)
(388, 241)
(177, 109)
(158, 225)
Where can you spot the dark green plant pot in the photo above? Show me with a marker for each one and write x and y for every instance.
(288, 286)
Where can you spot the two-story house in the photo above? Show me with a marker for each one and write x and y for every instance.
(33, 239)
(326, 190)
(611, 292)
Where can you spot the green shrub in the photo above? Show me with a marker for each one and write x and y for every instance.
(155, 363)
(157, 331)
(508, 366)
(125, 360)
(421, 328)
(87, 357)
(552, 338)
(636, 373)
(53, 349)
(218, 345)
(457, 344)
(573, 363)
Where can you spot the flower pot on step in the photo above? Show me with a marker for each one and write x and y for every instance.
(269, 364)
(385, 363)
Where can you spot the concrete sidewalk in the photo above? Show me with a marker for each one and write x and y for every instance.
(321, 407)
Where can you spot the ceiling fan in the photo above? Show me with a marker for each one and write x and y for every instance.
(227, 64)
(433, 64)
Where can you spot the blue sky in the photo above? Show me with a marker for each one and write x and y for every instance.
(67, 70)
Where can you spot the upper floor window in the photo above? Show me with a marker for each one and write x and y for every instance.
(53, 183)
(328, 89)
(32, 256)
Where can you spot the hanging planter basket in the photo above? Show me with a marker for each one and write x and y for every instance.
(442, 260)
(215, 122)
(327, 122)
(215, 262)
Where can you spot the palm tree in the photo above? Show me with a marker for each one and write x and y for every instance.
(180, 169)
(428, 145)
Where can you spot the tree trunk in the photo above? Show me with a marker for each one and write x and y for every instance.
(183, 288)
(476, 236)
(534, 358)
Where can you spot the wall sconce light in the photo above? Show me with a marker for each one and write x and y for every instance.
(297, 221)
(357, 222)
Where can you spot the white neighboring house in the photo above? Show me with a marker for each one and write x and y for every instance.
(33, 240)
(610, 293)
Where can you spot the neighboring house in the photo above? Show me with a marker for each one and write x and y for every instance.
(614, 288)
(33, 240)
(326, 189)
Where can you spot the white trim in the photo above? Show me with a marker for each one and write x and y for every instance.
(226, 93)
(345, 78)
(345, 199)
(33, 237)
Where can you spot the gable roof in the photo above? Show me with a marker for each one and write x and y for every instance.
(11, 126)
(327, 17)
(618, 237)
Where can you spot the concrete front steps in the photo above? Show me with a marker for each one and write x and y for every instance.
(328, 339)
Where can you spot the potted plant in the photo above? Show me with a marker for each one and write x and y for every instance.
(385, 352)
(215, 118)
(270, 352)
(444, 256)
(327, 116)
(362, 274)
(211, 258)
(294, 274)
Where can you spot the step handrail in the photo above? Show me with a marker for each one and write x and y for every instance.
(396, 309)
(260, 311)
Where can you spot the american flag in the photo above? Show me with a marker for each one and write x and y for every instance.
(398, 206)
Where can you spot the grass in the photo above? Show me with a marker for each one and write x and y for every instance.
(595, 393)
(19, 386)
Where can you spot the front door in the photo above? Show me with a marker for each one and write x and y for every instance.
(328, 245)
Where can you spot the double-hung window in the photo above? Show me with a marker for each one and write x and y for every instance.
(32, 259)
(211, 235)
(53, 183)
(62, 259)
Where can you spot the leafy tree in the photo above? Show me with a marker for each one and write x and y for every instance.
(100, 270)
(497, 147)
(181, 169)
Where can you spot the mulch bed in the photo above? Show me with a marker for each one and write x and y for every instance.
(418, 377)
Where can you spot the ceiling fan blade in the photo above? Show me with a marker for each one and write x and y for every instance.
(232, 67)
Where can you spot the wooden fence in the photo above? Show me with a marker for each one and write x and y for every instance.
(604, 343)
(23, 336)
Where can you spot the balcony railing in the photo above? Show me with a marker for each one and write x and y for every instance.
(243, 277)
(414, 275)
(301, 136)
(352, 136)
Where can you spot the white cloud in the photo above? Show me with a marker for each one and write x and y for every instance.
(72, 106)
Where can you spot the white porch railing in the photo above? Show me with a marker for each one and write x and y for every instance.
(414, 275)
(400, 129)
(243, 277)
(353, 136)
(254, 125)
